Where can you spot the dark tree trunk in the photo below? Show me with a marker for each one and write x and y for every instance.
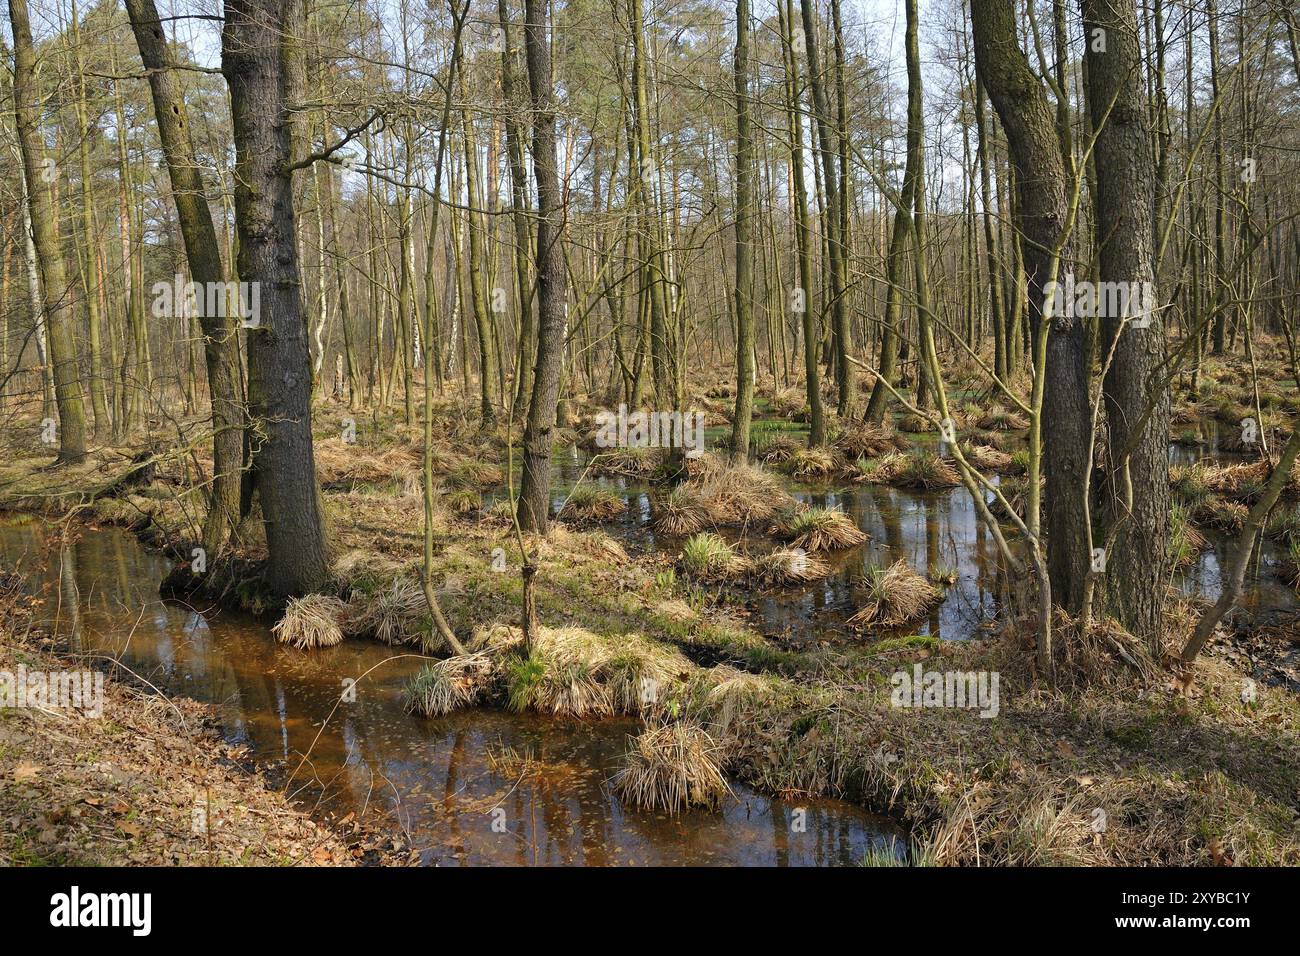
(253, 59)
(1040, 214)
(535, 488)
(744, 243)
(1125, 203)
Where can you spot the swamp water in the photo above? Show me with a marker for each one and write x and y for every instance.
(439, 784)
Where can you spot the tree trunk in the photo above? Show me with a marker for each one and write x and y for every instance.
(1125, 203)
(1040, 214)
(220, 331)
(535, 487)
(744, 243)
(279, 364)
(56, 301)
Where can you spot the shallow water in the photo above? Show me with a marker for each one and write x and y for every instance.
(938, 533)
(454, 787)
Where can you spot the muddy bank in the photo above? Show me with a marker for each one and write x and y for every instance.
(148, 780)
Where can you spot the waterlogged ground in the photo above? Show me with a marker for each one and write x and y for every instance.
(482, 786)
(938, 533)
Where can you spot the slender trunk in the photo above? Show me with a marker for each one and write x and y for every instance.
(37, 171)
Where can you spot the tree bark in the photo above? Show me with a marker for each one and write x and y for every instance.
(744, 243)
(1135, 590)
(535, 487)
(1040, 214)
(220, 331)
(56, 293)
(279, 364)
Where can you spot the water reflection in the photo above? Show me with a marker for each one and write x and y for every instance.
(477, 787)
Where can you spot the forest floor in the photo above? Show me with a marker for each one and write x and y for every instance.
(140, 779)
(1115, 766)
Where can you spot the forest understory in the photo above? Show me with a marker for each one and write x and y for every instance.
(1187, 768)
(658, 432)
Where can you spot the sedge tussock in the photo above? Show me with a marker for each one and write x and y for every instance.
(738, 494)
(925, 471)
(310, 622)
(707, 555)
(1003, 419)
(865, 440)
(788, 566)
(627, 462)
(394, 614)
(678, 513)
(895, 596)
(448, 685)
(812, 464)
(986, 458)
(821, 529)
(671, 768)
(589, 504)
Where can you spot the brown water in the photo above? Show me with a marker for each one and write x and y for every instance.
(937, 532)
(453, 787)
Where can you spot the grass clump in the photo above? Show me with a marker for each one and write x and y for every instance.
(896, 596)
(394, 615)
(925, 471)
(311, 622)
(986, 458)
(811, 464)
(588, 504)
(462, 501)
(1185, 542)
(821, 529)
(865, 440)
(671, 768)
(783, 567)
(772, 447)
(707, 555)
(679, 513)
(639, 463)
(999, 418)
(736, 494)
(448, 685)
(476, 474)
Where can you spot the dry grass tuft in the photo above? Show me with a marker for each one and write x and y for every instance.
(311, 622)
(774, 447)
(1185, 542)
(988, 459)
(925, 471)
(738, 494)
(812, 464)
(821, 529)
(896, 596)
(462, 501)
(783, 567)
(1002, 419)
(588, 504)
(671, 768)
(639, 463)
(449, 684)
(395, 614)
(865, 440)
(678, 513)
